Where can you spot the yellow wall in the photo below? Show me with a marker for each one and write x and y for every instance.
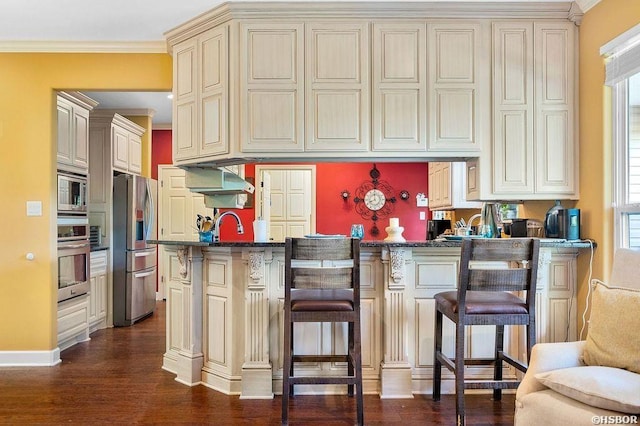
(27, 172)
(604, 22)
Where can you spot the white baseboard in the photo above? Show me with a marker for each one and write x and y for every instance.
(30, 358)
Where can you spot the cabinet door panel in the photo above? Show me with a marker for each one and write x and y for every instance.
(120, 149)
(135, 153)
(213, 123)
(213, 92)
(513, 172)
(185, 77)
(454, 116)
(65, 117)
(184, 102)
(458, 80)
(337, 87)
(273, 119)
(556, 157)
(184, 131)
(336, 56)
(272, 86)
(513, 155)
(337, 118)
(81, 139)
(399, 87)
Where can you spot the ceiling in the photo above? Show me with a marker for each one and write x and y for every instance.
(64, 25)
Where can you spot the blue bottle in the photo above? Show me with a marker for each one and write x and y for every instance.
(551, 226)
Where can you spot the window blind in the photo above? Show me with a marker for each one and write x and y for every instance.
(623, 56)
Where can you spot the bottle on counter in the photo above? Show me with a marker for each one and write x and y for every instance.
(489, 221)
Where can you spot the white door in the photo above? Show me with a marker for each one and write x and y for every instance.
(289, 200)
(177, 213)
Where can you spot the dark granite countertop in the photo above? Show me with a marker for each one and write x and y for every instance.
(545, 242)
(99, 248)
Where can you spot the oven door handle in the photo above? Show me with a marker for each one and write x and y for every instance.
(73, 246)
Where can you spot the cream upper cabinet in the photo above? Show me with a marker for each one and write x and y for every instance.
(556, 150)
(458, 61)
(73, 131)
(126, 143)
(272, 87)
(534, 153)
(447, 183)
(337, 87)
(399, 96)
(290, 82)
(201, 96)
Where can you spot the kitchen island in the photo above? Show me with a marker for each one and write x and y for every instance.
(224, 315)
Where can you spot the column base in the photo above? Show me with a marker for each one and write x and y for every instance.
(395, 381)
(257, 382)
(188, 370)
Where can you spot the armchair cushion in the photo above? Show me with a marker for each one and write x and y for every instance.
(613, 339)
(604, 387)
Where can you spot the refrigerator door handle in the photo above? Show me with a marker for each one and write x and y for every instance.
(151, 210)
(143, 254)
(143, 274)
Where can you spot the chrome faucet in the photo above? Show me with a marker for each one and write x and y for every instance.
(216, 229)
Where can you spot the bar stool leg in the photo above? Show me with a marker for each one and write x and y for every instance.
(437, 365)
(497, 368)
(286, 369)
(459, 373)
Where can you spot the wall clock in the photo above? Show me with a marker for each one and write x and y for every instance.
(374, 199)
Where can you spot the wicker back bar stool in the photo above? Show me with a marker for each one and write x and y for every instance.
(322, 284)
(490, 271)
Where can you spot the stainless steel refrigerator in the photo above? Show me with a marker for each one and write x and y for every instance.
(134, 260)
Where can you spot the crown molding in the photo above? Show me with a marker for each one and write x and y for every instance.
(83, 46)
(586, 4)
(161, 126)
(371, 10)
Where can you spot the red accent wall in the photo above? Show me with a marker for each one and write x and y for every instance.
(333, 214)
(161, 152)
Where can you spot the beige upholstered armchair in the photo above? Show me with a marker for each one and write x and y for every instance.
(596, 381)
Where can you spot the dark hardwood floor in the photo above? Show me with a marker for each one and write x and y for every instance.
(116, 378)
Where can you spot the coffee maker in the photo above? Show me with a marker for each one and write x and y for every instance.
(437, 227)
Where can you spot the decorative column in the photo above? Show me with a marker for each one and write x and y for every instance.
(190, 358)
(257, 374)
(395, 369)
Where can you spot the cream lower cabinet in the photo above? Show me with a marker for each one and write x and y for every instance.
(73, 321)
(225, 307)
(98, 290)
(534, 154)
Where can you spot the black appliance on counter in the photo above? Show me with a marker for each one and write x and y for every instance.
(569, 224)
(437, 227)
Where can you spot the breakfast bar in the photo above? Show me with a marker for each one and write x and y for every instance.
(224, 315)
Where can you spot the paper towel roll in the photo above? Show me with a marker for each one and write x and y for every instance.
(260, 231)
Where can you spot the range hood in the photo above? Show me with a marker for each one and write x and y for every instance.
(220, 187)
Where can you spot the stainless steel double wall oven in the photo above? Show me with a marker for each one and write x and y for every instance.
(73, 236)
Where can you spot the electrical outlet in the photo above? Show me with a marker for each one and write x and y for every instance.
(423, 215)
